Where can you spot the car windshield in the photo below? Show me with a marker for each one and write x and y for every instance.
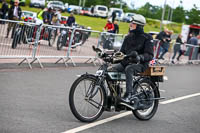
(118, 12)
(130, 15)
(28, 14)
(102, 8)
(57, 3)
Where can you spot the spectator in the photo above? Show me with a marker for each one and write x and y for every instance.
(71, 19)
(113, 16)
(177, 48)
(193, 40)
(4, 9)
(109, 26)
(40, 14)
(56, 19)
(199, 47)
(47, 16)
(192, 50)
(165, 40)
(14, 13)
(116, 28)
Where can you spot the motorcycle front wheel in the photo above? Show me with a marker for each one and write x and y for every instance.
(15, 41)
(60, 42)
(86, 99)
(52, 37)
(149, 88)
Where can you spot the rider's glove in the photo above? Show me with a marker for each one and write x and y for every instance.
(138, 59)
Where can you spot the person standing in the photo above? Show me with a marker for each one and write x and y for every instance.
(109, 26)
(116, 28)
(192, 49)
(14, 13)
(177, 48)
(165, 43)
(4, 9)
(71, 20)
(113, 16)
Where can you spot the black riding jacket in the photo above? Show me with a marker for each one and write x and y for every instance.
(140, 42)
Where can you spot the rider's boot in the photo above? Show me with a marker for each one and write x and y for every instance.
(126, 98)
(130, 100)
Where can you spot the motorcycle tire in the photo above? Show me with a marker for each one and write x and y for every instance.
(52, 38)
(147, 114)
(76, 102)
(60, 42)
(15, 41)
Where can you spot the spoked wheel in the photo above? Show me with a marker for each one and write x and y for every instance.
(52, 37)
(60, 42)
(151, 106)
(15, 40)
(86, 99)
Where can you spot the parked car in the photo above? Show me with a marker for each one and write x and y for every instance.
(56, 5)
(86, 11)
(74, 8)
(119, 13)
(21, 2)
(100, 11)
(127, 17)
(37, 3)
(66, 6)
(28, 16)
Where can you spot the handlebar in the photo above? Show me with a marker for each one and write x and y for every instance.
(109, 56)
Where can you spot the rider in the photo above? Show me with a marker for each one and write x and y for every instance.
(138, 48)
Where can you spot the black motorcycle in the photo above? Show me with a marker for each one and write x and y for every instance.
(79, 37)
(91, 94)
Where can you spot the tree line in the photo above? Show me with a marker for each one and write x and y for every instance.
(178, 14)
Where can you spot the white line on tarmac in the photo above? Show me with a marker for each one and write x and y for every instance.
(180, 98)
(87, 126)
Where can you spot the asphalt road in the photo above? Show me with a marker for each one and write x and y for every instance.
(36, 101)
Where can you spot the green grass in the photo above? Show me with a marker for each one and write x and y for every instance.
(99, 23)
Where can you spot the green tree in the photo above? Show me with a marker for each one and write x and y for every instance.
(178, 15)
(193, 16)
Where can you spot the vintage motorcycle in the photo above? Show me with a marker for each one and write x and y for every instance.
(79, 38)
(91, 94)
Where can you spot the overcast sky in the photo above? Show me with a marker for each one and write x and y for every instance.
(187, 4)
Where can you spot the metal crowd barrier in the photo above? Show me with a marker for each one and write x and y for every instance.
(31, 42)
(21, 41)
(191, 51)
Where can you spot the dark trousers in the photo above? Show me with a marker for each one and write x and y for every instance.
(164, 49)
(130, 71)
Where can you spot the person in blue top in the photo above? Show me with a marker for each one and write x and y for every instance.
(71, 20)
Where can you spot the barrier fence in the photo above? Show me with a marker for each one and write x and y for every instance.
(190, 53)
(31, 42)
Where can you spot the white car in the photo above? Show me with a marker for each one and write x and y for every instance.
(128, 17)
(37, 3)
(119, 13)
(100, 11)
(28, 16)
(56, 5)
(74, 8)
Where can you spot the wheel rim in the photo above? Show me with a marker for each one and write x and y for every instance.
(87, 101)
(52, 38)
(148, 111)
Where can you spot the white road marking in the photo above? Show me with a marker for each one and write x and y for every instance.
(87, 126)
(162, 90)
(180, 98)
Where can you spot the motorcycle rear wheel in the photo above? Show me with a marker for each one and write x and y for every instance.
(147, 114)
